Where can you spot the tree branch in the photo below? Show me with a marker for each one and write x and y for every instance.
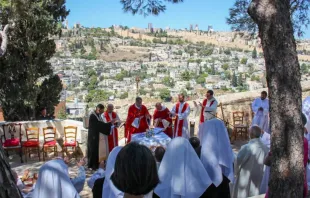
(4, 39)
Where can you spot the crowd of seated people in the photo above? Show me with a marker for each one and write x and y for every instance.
(203, 167)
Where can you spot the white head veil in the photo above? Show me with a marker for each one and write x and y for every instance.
(306, 111)
(216, 152)
(181, 173)
(54, 181)
(109, 190)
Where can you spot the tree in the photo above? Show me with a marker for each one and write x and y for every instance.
(240, 80)
(27, 54)
(49, 94)
(304, 68)
(225, 66)
(186, 76)
(244, 61)
(254, 53)
(188, 86)
(97, 96)
(168, 81)
(164, 94)
(234, 82)
(277, 21)
(124, 95)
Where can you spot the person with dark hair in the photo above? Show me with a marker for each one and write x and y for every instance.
(208, 107)
(260, 107)
(43, 114)
(181, 111)
(98, 131)
(195, 142)
(138, 119)
(159, 154)
(135, 171)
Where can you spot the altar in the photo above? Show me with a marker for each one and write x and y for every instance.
(159, 138)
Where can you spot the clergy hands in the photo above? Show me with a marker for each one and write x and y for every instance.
(82, 162)
(114, 121)
(102, 165)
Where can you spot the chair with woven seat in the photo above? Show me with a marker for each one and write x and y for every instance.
(240, 129)
(50, 143)
(70, 133)
(32, 143)
(11, 139)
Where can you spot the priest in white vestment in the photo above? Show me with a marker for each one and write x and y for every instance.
(181, 110)
(260, 107)
(249, 166)
(306, 111)
(208, 107)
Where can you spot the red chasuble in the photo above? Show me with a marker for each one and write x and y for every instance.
(204, 103)
(113, 138)
(134, 112)
(178, 125)
(164, 114)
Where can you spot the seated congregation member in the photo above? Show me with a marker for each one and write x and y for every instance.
(55, 174)
(181, 172)
(135, 171)
(138, 119)
(159, 155)
(195, 142)
(249, 166)
(162, 119)
(108, 189)
(217, 157)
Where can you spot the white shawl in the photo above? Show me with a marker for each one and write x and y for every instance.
(54, 181)
(216, 153)
(181, 173)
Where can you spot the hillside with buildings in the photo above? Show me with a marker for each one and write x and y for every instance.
(100, 64)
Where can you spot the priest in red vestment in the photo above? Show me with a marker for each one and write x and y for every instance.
(208, 107)
(113, 137)
(181, 111)
(162, 119)
(138, 119)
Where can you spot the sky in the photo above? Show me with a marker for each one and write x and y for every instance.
(105, 13)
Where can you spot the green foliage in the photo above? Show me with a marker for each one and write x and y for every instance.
(240, 80)
(124, 95)
(255, 78)
(244, 61)
(186, 76)
(142, 92)
(254, 53)
(188, 86)
(304, 68)
(49, 94)
(62, 114)
(201, 79)
(122, 75)
(29, 48)
(168, 81)
(95, 96)
(234, 82)
(227, 52)
(225, 66)
(164, 94)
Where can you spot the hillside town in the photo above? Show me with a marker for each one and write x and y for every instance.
(118, 63)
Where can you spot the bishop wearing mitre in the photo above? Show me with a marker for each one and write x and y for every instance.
(138, 119)
(162, 119)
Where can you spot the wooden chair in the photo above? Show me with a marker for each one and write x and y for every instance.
(50, 143)
(70, 139)
(32, 142)
(239, 127)
(12, 139)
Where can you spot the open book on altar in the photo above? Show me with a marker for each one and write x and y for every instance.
(136, 123)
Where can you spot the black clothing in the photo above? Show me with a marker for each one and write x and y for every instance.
(222, 191)
(97, 189)
(95, 127)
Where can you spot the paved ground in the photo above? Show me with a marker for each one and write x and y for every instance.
(34, 165)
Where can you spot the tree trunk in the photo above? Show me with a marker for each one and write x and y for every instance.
(8, 188)
(283, 78)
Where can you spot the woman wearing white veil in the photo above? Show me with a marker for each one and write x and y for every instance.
(109, 190)
(217, 157)
(54, 181)
(181, 172)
